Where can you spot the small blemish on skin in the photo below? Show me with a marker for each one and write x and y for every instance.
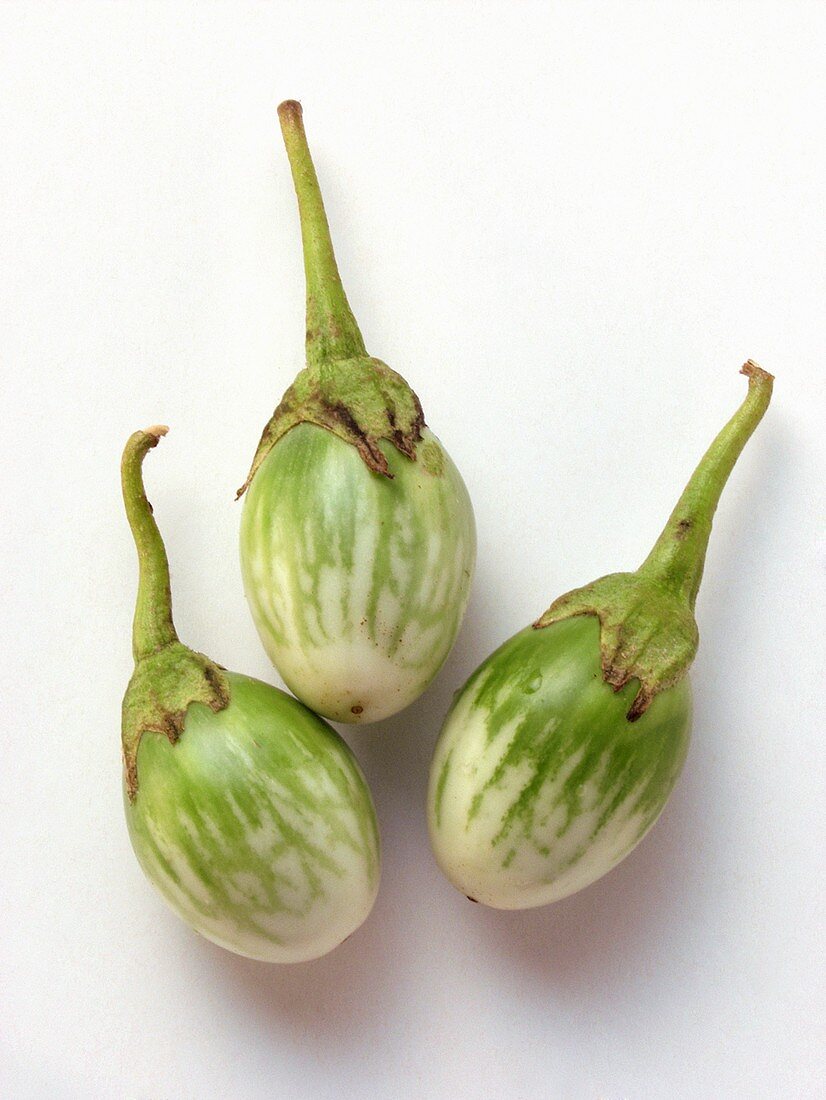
(356, 710)
(432, 458)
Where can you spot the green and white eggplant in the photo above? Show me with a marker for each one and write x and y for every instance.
(560, 752)
(247, 811)
(358, 540)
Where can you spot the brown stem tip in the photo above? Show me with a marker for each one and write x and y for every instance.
(754, 370)
(290, 110)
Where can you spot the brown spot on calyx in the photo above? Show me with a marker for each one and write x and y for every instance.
(369, 450)
(170, 725)
(357, 709)
(640, 705)
(403, 444)
(130, 767)
(220, 693)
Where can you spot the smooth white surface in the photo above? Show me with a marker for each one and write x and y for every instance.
(567, 225)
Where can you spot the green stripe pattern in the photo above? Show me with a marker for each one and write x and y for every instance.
(357, 582)
(539, 784)
(257, 826)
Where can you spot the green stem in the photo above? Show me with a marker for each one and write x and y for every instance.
(152, 629)
(332, 332)
(679, 554)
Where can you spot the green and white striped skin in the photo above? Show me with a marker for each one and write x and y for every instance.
(357, 582)
(257, 826)
(560, 752)
(357, 539)
(539, 783)
(245, 809)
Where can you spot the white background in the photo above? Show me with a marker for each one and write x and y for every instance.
(567, 225)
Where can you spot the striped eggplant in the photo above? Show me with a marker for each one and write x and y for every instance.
(246, 810)
(358, 540)
(561, 750)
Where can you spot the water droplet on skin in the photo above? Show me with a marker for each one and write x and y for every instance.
(533, 682)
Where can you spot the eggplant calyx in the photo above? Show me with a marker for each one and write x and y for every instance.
(647, 633)
(168, 676)
(361, 400)
(343, 389)
(647, 626)
(160, 692)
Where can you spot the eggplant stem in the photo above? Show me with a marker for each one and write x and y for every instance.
(332, 331)
(679, 554)
(152, 628)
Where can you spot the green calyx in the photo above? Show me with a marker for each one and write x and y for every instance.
(163, 686)
(342, 388)
(168, 676)
(648, 631)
